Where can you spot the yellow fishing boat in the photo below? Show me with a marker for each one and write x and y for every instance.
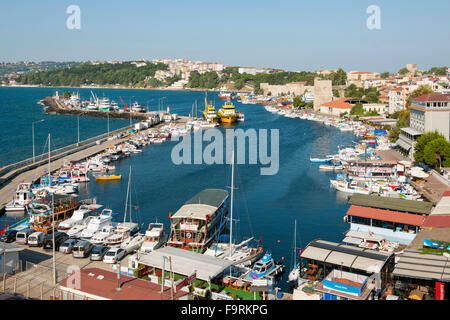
(227, 113)
(108, 177)
(210, 112)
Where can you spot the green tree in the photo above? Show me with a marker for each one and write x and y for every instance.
(420, 91)
(437, 152)
(385, 75)
(403, 71)
(357, 110)
(422, 142)
(439, 71)
(298, 103)
(336, 93)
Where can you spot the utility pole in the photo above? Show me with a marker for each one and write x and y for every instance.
(118, 276)
(171, 276)
(231, 205)
(53, 235)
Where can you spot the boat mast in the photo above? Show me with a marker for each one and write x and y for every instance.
(126, 200)
(295, 244)
(231, 205)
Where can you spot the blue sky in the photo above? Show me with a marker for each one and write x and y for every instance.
(288, 34)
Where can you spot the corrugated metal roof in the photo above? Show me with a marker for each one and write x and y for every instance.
(345, 255)
(411, 206)
(422, 266)
(211, 197)
(386, 215)
(186, 262)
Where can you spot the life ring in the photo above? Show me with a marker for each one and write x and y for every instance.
(253, 276)
(188, 235)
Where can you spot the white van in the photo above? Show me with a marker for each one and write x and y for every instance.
(22, 236)
(36, 239)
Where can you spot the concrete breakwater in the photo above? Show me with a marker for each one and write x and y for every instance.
(52, 105)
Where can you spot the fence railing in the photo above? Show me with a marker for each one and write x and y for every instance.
(28, 164)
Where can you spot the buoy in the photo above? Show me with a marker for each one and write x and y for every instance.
(278, 241)
(282, 258)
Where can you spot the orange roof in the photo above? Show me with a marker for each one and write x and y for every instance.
(386, 215)
(339, 103)
(437, 221)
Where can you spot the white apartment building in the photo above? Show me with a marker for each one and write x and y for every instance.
(429, 112)
(397, 99)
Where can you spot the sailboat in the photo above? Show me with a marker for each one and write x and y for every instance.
(124, 229)
(295, 272)
(239, 254)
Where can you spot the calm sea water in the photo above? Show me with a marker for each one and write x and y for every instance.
(265, 206)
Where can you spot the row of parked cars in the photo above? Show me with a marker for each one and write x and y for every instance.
(65, 244)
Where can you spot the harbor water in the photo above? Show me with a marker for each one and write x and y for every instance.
(265, 206)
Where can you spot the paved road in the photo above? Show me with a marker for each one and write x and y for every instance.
(7, 192)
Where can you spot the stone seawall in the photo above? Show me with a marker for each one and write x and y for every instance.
(52, 105)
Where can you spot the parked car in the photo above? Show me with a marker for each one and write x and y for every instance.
(114, 255)
(22, 235)
(67, 246)
(82, 249)
(8, 236)
(98, 252)
(36, 239)
(60, 238)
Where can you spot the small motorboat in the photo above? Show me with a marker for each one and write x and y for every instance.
(320, 160)
(107, 177)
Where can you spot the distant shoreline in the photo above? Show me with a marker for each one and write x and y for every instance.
(107, 87)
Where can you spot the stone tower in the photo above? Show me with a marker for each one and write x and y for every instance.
(322, 92)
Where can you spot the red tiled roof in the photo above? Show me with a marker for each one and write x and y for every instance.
(386, 215)
(446, 194)
(433, 97)
(131, 288)
(438, 221)
(339, 103)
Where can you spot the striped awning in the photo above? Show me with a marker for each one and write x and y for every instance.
(402, 144)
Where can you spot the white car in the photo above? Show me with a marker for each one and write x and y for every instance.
(114, 255)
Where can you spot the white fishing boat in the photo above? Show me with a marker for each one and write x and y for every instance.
(21, 199)
(97, 223)
(102, 235)
(154, 237)
(320, 159)
(133, 243)
(78, 216)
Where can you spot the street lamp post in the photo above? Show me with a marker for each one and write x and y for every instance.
(32, 130)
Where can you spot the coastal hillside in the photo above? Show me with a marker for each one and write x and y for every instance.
(125, 74)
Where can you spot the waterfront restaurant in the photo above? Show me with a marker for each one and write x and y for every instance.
(184, 262)
(320, 258)
(395, 226)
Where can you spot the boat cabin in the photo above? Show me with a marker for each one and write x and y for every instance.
(199, 220)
